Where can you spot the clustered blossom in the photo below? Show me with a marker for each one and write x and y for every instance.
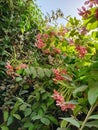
(61, 102)
(84, 12)
(9, 68)
(21, 66)
(91, 3)
(11, 71)
(71, 42)
(96, 13)
(56, 50)
(59, 74)
(83, 30)
(40, 44)
(81, 50)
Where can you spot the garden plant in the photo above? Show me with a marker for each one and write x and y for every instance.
(48, 73)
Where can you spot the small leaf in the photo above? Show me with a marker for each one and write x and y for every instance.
(23, 107)
(10, 120)
(63, 129)
(80, 89)
(92, 95)
(40, 72)
(36, 117)
(20, 100)
(27, 125)
(52, 119)
(63, 123)
(18, 79)
(45, 121)
(4, 128)
(93, 117)
(33, 72)
(40, 112)
(17, 116)
(5, 115)
(92, 124)
(47, 72)
(72, 121)
(27, 112)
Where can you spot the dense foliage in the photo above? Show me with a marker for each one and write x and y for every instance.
(48, 74)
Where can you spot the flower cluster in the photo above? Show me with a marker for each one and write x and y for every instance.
(91, 3)
(40, 44)
(81, 50)
(11, 71)
(21, 66)
(71, 41)
(83, 30)
(84, 12)
(61, 102)
(59, 74)
(96, 13)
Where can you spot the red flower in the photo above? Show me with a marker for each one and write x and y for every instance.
(8, 66)
(58, 74)
(56, 50)
(84, 12)
(91, 3)
(40, 44)
(71, 42)
(81, 50)
(96, 13)
(61, 102)
(83, 30)
(21, 66)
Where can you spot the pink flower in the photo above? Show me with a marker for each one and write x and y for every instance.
(40, 44)
(91, 3)
(81, 50)
(58, 74)
(71, 42)
(96, 13)
(38, 36)
(83, 30)
(61, 102)
(56, 50)
(45, 36)
(21, 66)
(8, 66)
(84, 12)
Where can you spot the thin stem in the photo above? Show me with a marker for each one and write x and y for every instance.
(89, 113)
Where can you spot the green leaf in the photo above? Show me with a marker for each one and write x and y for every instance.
(40, 72)
(80, 89)
(63, 129)
(27, 125)
(33, 72)
(18, 79)
(92, 124)
(72, 121)
(5, 115)
(17, 116)
(20, 100)
(27, 112)
(23, 107)
(45, 121)
(40, 112)
(36, 117)
(53, 119)
(4, 128)
(10, 120)
(63, 123)
(92, 95)
(47, 72)
(93, 117)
